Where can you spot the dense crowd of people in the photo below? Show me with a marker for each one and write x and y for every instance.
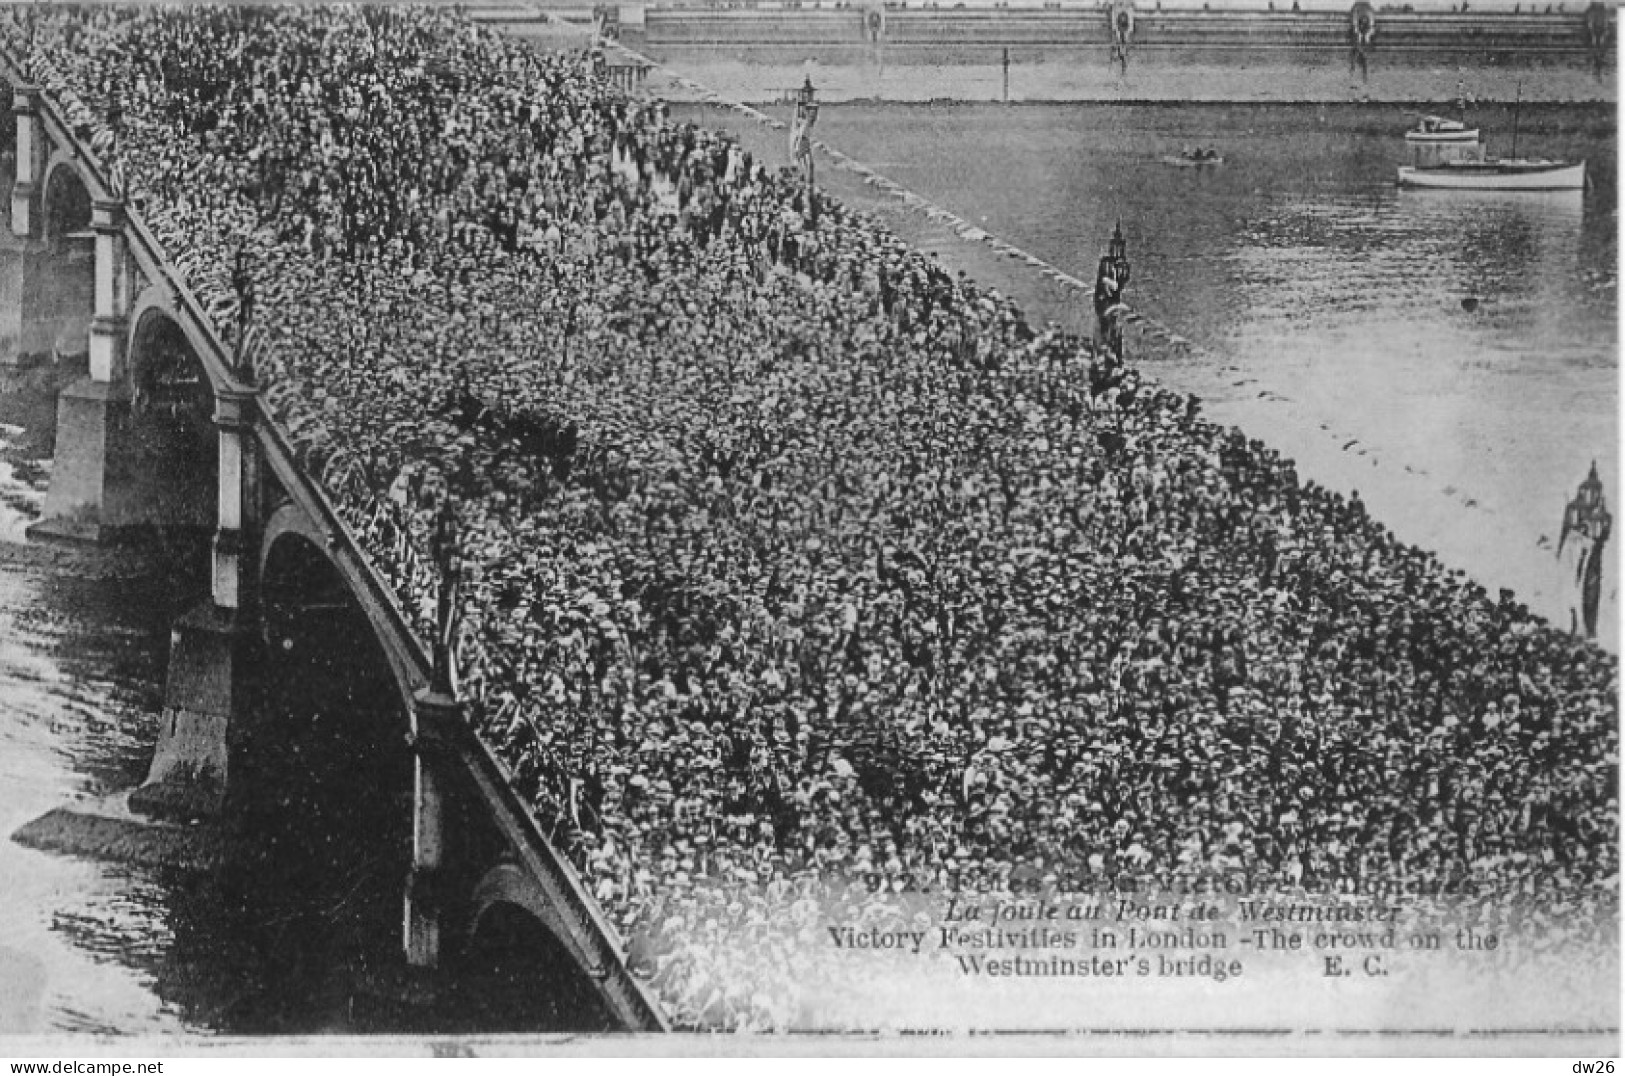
(801, 569)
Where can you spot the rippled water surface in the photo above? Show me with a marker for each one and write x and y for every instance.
(80, 676)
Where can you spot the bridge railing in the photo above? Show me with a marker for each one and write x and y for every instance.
(597, 943)
(922, 23)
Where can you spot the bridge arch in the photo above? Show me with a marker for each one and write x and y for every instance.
(58, 300)
(174, 442)
(65, 201)
(295, 563)
(154, 305)
(310, 614)
(506, 887)
(323, 777)
(164, 362)
(515, 959)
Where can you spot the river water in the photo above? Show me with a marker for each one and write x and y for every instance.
(88, 944)
(80, 680)
(1332, 318)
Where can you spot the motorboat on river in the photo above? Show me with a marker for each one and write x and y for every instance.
(1462, 166)
(1498, 175)
(1436, 130)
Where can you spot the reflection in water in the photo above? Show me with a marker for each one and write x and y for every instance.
(80, 664)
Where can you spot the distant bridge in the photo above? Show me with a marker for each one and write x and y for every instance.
(281, 558)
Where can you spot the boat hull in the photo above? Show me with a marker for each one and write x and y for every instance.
(1186, 162)
(1437, 138)
(1490, 177)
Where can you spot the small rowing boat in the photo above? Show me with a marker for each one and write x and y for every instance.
(1198, 159)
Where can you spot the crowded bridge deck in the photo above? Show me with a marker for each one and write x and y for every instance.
(772, 566)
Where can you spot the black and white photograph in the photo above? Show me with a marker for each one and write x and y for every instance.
(810, 525)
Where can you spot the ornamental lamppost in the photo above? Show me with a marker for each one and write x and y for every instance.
(446, 550)
(1110, 281)
(801, 136)
(1117, 250)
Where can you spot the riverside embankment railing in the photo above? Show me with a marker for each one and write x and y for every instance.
(594, 941)
(918, 25)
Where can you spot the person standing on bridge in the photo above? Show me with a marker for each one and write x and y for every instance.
(801, 150)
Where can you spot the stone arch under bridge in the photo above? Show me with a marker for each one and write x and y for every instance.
(298, 574)
(319, 770)
(172, 410)
(65, 203)
(512, 952)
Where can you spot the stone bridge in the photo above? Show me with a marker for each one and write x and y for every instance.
(284, 566)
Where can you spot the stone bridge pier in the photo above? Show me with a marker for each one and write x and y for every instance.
(159, 430)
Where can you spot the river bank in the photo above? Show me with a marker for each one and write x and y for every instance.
(963, 73)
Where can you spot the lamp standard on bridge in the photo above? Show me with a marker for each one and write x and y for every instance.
(242, 282)
(435, 710)
(445, 547)
(234, 419)
(801, 139)
(29, 18)
(1110, 281)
